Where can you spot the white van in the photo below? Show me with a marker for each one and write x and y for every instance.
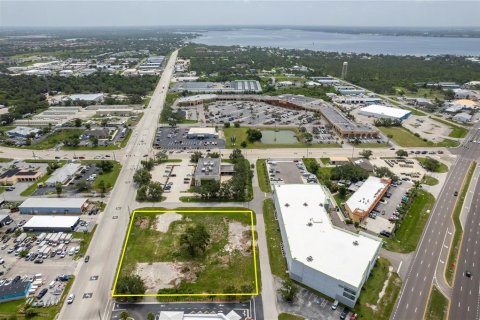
(51, 284)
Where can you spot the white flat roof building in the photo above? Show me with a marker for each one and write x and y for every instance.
(331, 260)
(202, 133)
(86, 97)
(63, 174)
(381, 111)
(53, 223)
(366, 197)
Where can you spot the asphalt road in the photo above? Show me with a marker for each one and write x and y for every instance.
(429, 259)
(465, 302)
(107, 242)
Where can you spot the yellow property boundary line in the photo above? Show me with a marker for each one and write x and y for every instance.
(188, 294)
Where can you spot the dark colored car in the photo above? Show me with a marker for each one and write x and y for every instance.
(344, 313)
(87, 258)
(455, 193)
(42, 293)
(468, 274)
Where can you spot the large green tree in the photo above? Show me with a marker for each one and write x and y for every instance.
(195, 240)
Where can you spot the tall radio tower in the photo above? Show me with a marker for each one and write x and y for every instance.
(344, 70)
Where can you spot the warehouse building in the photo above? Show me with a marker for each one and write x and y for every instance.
(53, 205)
(384, 112)
(362, 202)
(23, 132)
(237, 86)
(462, 117)
(16, 290)
(89, 97)
(331, 260)
(64, 174)
(202, 133)
(51, 224)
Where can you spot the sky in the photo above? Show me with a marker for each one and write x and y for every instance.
(391, 13)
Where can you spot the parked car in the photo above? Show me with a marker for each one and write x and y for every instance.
(42, 293)
(335, 305)
(87, 258)
(344, 313)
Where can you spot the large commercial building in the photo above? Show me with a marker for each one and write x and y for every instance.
(15, 290)
(331, 260)
(54, 205)
(64, 174)
(88, 97)
(237, 86)
(23, 132)
(51, 224)
(208, 169)
(362, 202)
(384, 112)
(202, 133)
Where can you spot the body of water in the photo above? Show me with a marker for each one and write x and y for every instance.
(341, 42)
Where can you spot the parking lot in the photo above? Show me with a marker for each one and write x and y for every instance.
(382, 217)
(288, 172)
(176, 139)
(256, 113)
(175, 177)
(309, 305)
(405, 169)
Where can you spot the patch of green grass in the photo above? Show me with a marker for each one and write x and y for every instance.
(339, 199)
(85, 238)
(457, 236)
(262, 174)
(288, 316)
(55, 138)
(405, 138)
(372, 145)
(457, 131)
(241, 135)
(442, 168)
(109, 178)
(4, 160)
(411, 228)
(371, 290)
(429, 180)
(278, 263)
(437, 306)
(213, 271)
(325, 161)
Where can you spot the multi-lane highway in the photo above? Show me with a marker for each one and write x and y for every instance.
(429, 259)
(465, 302)
(93, 297)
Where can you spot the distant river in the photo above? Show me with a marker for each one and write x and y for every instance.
(342, 42)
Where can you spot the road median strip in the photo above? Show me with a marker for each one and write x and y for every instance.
(456, 242)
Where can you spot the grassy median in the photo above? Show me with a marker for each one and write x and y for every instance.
(262, 175)
(410, 230)
(437, 306)
(457, 236)
(278, 263)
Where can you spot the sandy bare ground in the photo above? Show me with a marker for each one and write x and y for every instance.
(159, 275)
(164, 220)
(236, 237)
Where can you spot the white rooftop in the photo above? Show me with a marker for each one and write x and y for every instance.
(180, 315)
(86, 97)
(332, 250)
(384, 110)
(63, 173)
(366, 195)
(53, 202)
(197, 130)
(51, 221)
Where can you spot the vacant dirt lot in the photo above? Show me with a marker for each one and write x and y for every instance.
(159, 275)
(164, 220)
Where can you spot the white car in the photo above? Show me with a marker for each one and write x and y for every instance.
(70, 298)
(2, 261)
